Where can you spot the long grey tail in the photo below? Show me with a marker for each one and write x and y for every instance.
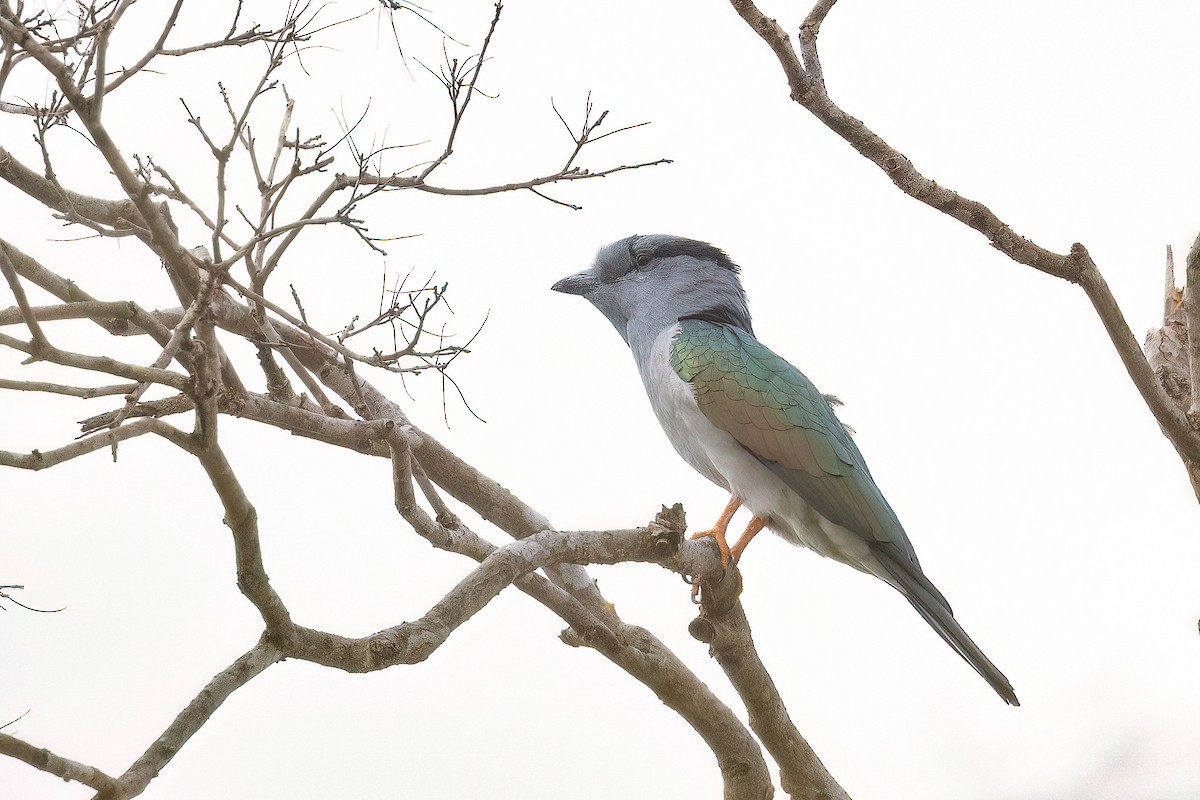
(926, 599)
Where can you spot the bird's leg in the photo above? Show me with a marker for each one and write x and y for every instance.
(718, 531)
(756, 525)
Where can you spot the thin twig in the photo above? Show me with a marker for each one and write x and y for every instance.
(458, 86)
(6, 596)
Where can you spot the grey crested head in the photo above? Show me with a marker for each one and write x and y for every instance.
(645, 284)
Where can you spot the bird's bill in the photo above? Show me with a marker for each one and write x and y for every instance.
(579, 283)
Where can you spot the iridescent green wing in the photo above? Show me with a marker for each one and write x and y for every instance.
(776, 413)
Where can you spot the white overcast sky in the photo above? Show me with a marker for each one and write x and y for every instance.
(994, 414)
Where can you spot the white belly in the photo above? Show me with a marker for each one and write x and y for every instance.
(717, 456)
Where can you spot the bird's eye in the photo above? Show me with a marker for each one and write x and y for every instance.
(643, 259)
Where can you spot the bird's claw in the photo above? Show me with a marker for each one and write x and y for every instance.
(716, 598)
(722, 545)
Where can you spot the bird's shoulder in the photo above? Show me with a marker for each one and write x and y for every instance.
(776, 413)
(762, 400)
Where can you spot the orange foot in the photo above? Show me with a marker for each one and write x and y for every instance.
(718, 531)
(756, 525)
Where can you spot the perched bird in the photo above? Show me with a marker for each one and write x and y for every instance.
(750, 422)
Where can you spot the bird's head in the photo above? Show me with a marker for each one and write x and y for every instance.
(645, 284)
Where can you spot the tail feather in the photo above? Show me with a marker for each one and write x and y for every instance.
(930, 603)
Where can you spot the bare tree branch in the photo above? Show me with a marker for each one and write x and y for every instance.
(806, 83)
(47, 761)
(38, 460)
(111, 366)
(177, 404)
(135, 779)
(801, 772)
(413, 642)
(649, 661)
(160, 236)
(88, 309)
(35, 330)
(85, 392)
(117, 214)
(460, 81)
(75, 298)
(242, 519)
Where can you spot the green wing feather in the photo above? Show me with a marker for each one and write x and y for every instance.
(776, 413)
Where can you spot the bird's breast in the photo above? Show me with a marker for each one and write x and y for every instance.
(674, 402)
